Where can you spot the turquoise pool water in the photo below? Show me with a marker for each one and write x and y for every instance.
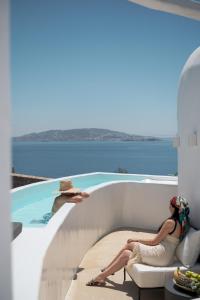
(32, 204)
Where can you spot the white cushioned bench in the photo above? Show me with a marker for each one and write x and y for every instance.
(146, 276)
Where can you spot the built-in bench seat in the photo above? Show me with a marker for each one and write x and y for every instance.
(148, 276)
(147, 282)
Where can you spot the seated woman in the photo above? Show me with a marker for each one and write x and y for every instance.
(158, 251)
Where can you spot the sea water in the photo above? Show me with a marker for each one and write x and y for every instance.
(58, 159)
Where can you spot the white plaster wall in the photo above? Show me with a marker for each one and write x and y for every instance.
(5, 232)
(113, 205)
(189, 123)
(186, 8)
(82, 227)
(147, 205)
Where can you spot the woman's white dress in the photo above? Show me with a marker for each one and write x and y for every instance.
(159, 255)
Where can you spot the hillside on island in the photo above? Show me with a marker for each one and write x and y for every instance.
(84, 134)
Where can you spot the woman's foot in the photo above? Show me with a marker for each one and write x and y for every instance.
(98, 281)
(95, 282)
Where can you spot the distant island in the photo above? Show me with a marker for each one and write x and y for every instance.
(84, 134)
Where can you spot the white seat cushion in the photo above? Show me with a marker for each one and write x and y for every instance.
(146, 276)
(188, 250)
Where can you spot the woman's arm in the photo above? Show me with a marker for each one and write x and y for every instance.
(166, 228)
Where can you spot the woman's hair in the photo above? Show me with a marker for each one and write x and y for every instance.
(180, 215)
(175, 215)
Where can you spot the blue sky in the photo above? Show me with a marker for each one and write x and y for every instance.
(104, 64)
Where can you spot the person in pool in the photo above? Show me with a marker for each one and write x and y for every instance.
(158, 251)
(68, 194)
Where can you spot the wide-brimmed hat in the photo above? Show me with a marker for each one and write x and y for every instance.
(66, 187)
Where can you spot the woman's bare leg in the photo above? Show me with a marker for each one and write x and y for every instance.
(119, 263)
(128, 246)
(115, 258)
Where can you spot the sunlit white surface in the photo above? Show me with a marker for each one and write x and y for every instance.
(47, 258)
(186, 8)
(5, 232)
(189, 131)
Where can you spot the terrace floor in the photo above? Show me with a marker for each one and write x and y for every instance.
(95, 259)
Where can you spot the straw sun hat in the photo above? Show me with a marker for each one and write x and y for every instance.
(66, 187)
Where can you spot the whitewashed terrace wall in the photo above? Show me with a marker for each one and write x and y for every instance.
(5, 225)
(143, 205)
(188, 124)
(186, 8)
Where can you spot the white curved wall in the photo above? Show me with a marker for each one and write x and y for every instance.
(113, 205)
(188, 125)
(186, 8)
(5, 232)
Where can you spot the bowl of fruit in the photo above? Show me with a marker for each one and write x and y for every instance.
(187, 280)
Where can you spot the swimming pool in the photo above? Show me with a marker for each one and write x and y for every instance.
(32, 204)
